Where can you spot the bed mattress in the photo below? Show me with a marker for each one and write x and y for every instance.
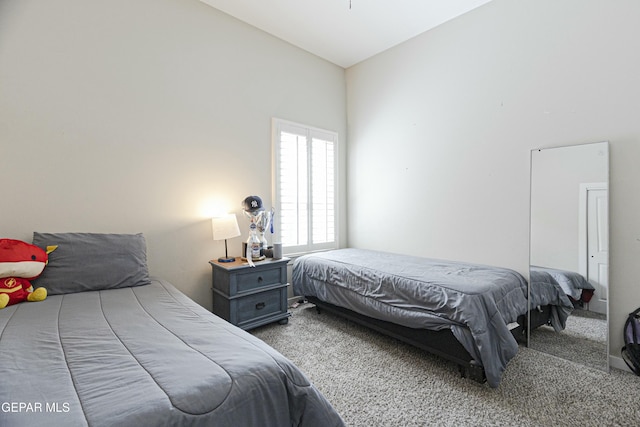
(144, 356)
(476, 302)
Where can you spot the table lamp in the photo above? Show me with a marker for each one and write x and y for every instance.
(225, 227)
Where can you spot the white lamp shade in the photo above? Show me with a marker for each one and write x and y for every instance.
(225, 227)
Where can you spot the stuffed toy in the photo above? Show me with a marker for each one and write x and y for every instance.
(19, 263)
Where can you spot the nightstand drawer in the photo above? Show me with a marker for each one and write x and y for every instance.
(249, 297)
(258, 279)
(263, 304)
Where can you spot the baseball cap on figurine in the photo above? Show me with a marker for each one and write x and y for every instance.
(252, 204)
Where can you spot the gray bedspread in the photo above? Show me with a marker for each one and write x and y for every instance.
(570, 282)
(475, 301)
(144, 356)
(545, 290)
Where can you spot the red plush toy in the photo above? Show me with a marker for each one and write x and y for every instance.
(19, 263)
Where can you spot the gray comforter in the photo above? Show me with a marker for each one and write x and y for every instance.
(545, 290)
(570, 282)
(144, 356)
(476, 302)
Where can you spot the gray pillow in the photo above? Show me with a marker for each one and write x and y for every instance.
(92, 261)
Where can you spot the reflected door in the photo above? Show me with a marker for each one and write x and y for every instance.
(597, 248)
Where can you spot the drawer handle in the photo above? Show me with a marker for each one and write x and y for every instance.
(260, 279)
(260, 306)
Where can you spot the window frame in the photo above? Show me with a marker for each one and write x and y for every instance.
(278, 126)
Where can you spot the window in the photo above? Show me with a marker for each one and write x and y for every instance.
(305, 187)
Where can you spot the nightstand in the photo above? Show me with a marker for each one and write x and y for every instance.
(249, 297)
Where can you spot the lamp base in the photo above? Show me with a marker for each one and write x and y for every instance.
(231, 259)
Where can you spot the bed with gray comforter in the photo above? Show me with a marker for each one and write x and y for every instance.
(476, 302)
(138, 355)
(572, 284)
(548, 296)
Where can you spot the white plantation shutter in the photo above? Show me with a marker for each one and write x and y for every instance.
(322, 190)
(304, 178)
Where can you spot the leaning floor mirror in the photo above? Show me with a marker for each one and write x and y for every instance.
(569, 238)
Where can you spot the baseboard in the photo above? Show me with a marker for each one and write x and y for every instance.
(618, 363)
(293, 300)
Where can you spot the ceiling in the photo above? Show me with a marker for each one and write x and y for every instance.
(345, 32)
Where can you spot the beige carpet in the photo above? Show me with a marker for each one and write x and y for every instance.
(584, 339)
(373, 380)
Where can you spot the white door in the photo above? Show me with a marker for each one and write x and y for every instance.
(597, 251)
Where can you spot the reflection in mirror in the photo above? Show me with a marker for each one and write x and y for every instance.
(569, 252)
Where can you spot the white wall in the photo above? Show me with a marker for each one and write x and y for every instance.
(441, 127)
(146, 116)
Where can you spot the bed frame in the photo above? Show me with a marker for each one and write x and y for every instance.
(539, 317)
(441, 343)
